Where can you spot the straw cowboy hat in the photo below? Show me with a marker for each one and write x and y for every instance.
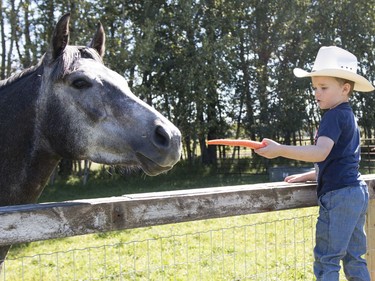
(336, 62)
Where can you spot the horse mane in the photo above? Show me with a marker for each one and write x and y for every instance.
(61, 66)
(14, 77)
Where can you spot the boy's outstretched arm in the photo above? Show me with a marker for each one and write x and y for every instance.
(308, 153)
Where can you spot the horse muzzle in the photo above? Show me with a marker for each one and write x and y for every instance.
(164, 151)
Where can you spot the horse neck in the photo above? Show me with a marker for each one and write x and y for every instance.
(24, 165)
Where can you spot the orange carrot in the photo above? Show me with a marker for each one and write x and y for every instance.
(246, 143)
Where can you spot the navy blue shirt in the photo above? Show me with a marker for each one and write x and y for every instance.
(341, 167)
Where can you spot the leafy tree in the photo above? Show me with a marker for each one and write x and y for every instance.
(215, 68)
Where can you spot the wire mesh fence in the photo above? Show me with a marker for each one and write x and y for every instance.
(277, 250)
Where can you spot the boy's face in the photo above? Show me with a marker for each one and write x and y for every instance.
(329, 92)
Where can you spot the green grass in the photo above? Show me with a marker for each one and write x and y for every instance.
(103, 184)
(267, 246)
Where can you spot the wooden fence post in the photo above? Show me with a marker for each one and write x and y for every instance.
(370, 230)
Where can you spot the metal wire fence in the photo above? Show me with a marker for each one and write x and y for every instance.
(277, 250)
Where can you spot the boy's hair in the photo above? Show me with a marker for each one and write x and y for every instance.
(344, 81)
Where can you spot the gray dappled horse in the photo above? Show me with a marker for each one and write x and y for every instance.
(71, 106)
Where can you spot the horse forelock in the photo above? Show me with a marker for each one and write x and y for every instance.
(67, 62)
(63, 65)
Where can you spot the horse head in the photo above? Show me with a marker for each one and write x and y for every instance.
(87, 111)
(71, 106)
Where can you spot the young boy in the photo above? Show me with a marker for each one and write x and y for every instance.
(342, 195)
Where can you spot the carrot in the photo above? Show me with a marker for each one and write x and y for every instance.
(246, 143)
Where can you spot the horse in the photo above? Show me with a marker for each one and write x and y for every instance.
(70, 105)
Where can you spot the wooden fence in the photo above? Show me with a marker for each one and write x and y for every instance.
(26, 223)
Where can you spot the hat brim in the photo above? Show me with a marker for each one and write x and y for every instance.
(361, 84)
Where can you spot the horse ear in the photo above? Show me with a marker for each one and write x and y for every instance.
(98, 42)
(60, 38)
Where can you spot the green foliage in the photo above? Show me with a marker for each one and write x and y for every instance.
(215, 68)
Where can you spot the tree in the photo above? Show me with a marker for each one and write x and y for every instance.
(214, 68)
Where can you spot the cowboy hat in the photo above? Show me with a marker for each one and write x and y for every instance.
(336, 62)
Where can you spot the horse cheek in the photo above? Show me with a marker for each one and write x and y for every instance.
(62, 130)
(94, 110)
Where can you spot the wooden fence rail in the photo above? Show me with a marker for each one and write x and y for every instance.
(34, 222)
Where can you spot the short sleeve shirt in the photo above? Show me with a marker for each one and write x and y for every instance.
(341, 168)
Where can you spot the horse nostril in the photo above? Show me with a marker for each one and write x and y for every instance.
(161, 137)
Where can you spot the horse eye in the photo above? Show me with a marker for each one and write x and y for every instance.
(81, 84)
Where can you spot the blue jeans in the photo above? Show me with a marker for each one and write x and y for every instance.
(340, 234)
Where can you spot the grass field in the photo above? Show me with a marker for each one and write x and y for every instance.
(104, 183)
(269, 246)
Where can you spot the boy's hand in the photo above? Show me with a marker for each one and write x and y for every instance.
(271, 150)
(294, 178)
(304, 177)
